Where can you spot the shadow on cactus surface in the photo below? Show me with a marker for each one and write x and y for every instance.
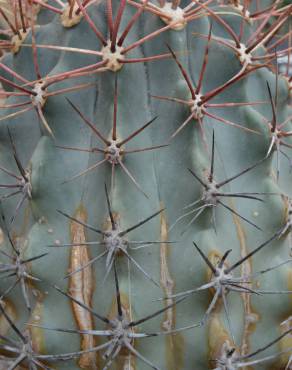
(145, 185)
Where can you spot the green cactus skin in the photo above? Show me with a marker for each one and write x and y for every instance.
(162, 174)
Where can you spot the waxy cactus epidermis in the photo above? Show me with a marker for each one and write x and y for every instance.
(164, 177)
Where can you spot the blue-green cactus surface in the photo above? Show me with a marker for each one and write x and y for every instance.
(145, 178)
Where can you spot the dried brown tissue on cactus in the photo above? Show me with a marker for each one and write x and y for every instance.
(128, 131)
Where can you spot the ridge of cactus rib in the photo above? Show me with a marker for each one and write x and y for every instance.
(145, 185)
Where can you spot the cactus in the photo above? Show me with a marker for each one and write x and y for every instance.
(143, 146)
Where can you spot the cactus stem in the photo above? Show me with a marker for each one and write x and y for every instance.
(14, 327)
(240, 216)
(83, 267)
(80, 149)
(223, 23)
(244, 51)
(154, 9)
(69, 49)
(206, 259)
(81, 287)
(230, 359)
(204, 65)
(183, 72)
(116, 25)
(113, 151)
(189, 118)
(12, 84)
(288, 224)
(140, 223)
(19, 269)
(112, 50)
(242, 45)
(6, 45)
(131, 22)
(33, 45)
(94, 68)
(146, 38)
(72, 355)
(75, 244)
(113, 223)
(109, 14)
(211, 195)
(91, 24)
(279, 41)
(81, 223)
(13, 29)
(132, 178)
(256, 250)
(141, 244)
(223, 281)
(82, 173)
(198, 102)
(13, 73)
(255, 42)
(276, 132)
(211, 174)
(15, 105)
(69, 89)
(140, 268)
(38, 94)
(226, 309)
(120, 329)
(48, 6)
(176, 100)
(25, 352)
(101, 318)
(114, 242)
(23, 16)
(263, 349)
(113, 58)
(142, 358)
(260, 13)
(272, 55)
(118, 295)
(171, 13)
(198, 211)
(23, 182)
(11, 115)
(43, 120)
(86, 121)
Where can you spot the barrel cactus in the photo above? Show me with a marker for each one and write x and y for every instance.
(143, 146)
